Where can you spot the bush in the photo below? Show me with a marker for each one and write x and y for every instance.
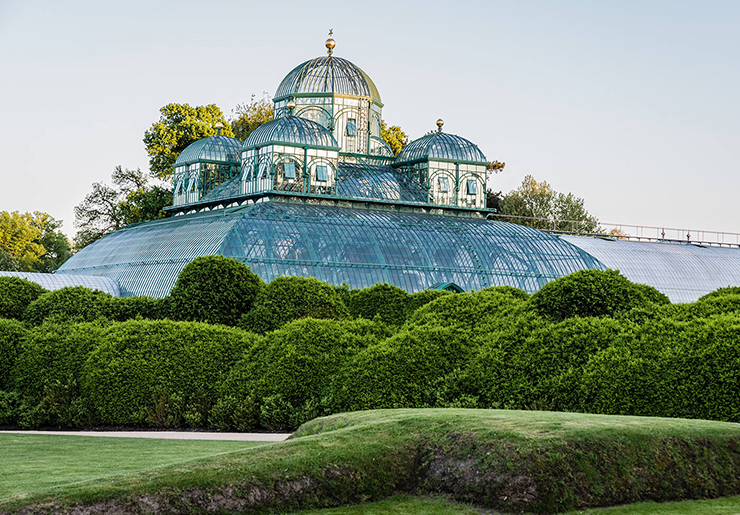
(10, 404)
(214, 289)
(389, 303)
(290, 298)
(121, 309)
(69, 304)
(15, 296)
(158, 370)
(11, 334)
(422, 298)
(720, 292)
(589, 293)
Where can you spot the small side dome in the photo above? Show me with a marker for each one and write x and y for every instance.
(440, 145)
(293, 131)
(222, 149)
(327, 74)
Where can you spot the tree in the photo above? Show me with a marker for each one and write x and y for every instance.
(536, 204)
(179, 125)
(394, 136)
(31, 242)
(106, 209)
(248, 117)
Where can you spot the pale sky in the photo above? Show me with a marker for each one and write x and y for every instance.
(631, 105)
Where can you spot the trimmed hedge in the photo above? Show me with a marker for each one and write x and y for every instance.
(215, 290)
(12, 333)
(15, 296)
(389, 303)
(68, 305)
(161, 372)
(290, 298)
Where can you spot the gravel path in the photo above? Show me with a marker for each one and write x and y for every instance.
(173, 435)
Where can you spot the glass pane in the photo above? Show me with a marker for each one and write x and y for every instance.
(444, 184)
(289, 170)
(351, 127)
(472, 187)
(321, 173)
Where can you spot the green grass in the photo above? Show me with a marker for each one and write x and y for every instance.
(504, 460)
(408, 505)
(34, 464)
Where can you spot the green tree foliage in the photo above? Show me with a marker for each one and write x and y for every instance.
(592, 293)
(31, 242)
(131, 199)
(178, 126)
(394, 136)
(160, 370)
(551, 210)
(214, 289)
(247, 117)
(16, 295)
(290, 298)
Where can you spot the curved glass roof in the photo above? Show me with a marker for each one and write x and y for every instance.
(684, 272)
(327, 74)
(335, 244)
(56, 281)
(440, 145)
(377, 182)
(213, 148)
(291, 130)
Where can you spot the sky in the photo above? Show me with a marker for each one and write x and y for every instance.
(631, 105)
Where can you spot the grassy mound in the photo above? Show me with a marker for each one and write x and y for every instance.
(507, 460)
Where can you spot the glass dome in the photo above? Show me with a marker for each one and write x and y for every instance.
(214, 148)
(327, 74)
(440, 145)
(291, 130)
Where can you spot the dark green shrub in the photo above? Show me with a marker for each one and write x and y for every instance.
(278, 414)
(140, 364)
(298, 360)
(231, 413)
(400, 371)
(592, 293)
(422, 298)
(290, 298)
(15, 296)
(720, 292)
(509, 290)
(69, 304)
(48, 373)
(214, 289)
(10, 404)
(383, 300)
(121, 309)
(11, 334)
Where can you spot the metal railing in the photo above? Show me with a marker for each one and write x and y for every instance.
(626, 231)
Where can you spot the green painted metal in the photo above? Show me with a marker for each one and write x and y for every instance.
(291, 131)
(440, 146)
(213, 149)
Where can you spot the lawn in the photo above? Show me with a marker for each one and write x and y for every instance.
(33, 464)
(509, 461)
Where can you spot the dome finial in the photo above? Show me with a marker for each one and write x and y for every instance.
(218, 127)
(291, 106)
(330, 43)
(440, 123)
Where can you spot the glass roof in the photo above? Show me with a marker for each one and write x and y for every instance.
(440, 145)
(56, 281)
(684, 272)
(327, 74)
(335, 244)
(377, 182)
(291, 130)
(213, 148)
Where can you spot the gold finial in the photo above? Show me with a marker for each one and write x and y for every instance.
(291, 106)
(330, 43)
(218, 127)
(440, 123)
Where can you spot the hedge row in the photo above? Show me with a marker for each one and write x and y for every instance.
(590, 342)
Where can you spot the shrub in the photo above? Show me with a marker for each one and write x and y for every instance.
(141, 364)
(592, 293)
(231, 413)
(11, 334)
(422, 298)
(720, 292)
(214, 289)
(10, 404)
(15, 296)
(290, 298)
(389, 303)
(121, 309)
(69, 304)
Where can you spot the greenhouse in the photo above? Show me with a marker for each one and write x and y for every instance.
(317, 192)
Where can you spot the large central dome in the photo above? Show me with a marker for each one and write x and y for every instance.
(327, 74)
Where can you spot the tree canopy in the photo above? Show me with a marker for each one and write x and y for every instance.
(178, 126)
(132, 199)
(247, 117)
(394, 136)
(536, 204)
(31, 242)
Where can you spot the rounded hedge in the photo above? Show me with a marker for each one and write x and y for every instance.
(11, 334)
(289, 298)
(69, 304)
(141, 365)
(592, 293)
(215, 290)
(15, 296)
(389, 303)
